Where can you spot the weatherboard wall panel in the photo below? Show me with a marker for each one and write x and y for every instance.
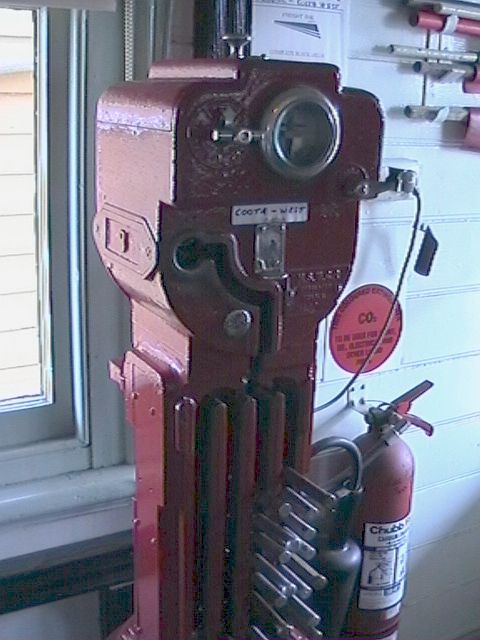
(434, 577)
(19, 311)
(446, 185)
(431, 467)
(435, 333)
(444, 615)
(24, 269)
(445, 509)
(19, 348)
(374, 25)
(17, 194)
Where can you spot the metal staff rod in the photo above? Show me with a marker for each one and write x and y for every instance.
(445, 69)
(459, 9)
(454, 9)
(414, 53)
(436, 114)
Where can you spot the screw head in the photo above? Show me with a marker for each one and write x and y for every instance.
(238, 323)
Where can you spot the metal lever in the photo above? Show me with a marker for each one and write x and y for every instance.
(399, 181)
(404, 402)
(241, 136)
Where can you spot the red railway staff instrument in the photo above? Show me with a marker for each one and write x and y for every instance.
(228, 199)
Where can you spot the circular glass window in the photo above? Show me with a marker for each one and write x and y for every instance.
(302, 133)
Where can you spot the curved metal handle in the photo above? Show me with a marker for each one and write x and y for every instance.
(350, 447)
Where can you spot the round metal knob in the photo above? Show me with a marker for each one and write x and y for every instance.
(237, 323)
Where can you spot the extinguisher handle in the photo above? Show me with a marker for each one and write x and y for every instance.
(417, 422)
(343, 443)
(403, 403)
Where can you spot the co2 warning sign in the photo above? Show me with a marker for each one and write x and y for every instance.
(357, 323)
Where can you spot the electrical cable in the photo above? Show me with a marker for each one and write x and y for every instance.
(391, 313)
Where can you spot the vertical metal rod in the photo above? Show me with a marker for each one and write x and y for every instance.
(222, 25)
(212, 22)
(242, 15)
(76, 221)
(152, 23)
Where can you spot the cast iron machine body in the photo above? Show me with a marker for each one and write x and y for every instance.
(225, 215)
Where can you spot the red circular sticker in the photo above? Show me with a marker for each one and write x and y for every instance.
(357, 324)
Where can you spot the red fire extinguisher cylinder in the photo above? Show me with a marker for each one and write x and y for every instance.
(381, 527)
(381, 524)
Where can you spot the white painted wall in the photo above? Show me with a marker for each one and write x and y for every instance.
(440, 340)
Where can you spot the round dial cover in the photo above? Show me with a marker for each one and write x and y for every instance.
(301, 133)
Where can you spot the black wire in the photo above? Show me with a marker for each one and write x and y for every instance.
(391, 313)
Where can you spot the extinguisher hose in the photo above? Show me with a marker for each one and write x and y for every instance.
(391, 313)
(351, 448)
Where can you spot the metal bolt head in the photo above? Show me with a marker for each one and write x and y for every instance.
(237, 323)
(244, 136)
(364, 189)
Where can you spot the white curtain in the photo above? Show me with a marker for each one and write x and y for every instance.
(100, 5)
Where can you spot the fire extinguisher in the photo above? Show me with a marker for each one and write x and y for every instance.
(381, 525)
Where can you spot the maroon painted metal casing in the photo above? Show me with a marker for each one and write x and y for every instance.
(217, 413)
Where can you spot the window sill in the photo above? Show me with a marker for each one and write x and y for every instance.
(65, 509)
(42, 460)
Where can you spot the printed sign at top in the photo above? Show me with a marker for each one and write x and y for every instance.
(301, 30)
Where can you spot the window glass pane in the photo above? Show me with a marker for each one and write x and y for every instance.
(25, 371)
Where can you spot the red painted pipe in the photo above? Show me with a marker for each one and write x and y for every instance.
(434, 22)
(472, 136)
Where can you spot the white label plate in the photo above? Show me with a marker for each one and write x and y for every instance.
(264, 213)
(384, 565)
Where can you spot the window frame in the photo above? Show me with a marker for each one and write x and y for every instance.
(83, 429)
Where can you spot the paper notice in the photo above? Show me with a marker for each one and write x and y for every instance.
(301, 30)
